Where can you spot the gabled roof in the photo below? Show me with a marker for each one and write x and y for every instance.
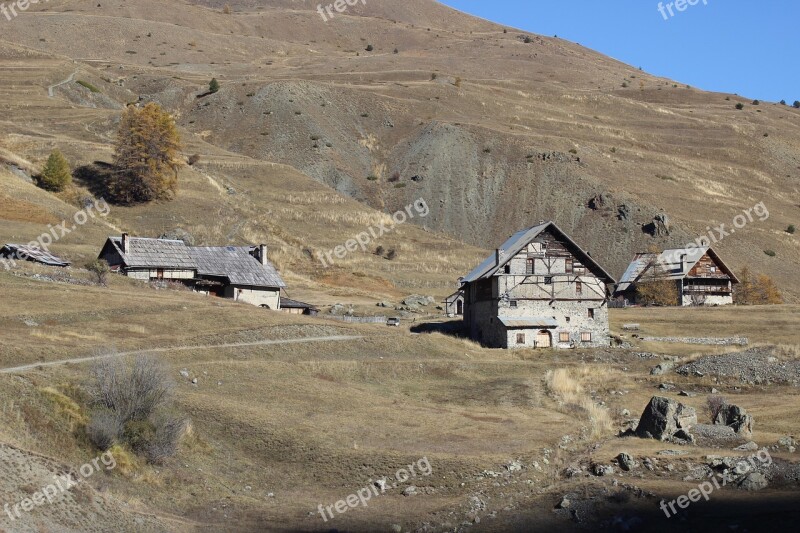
(30, 253)
(670, 266)
(154, 253)
(489, 267)
(236, 264)
(288, 303)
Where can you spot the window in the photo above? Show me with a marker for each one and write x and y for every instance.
(591, 314)
(567, 318)
(513, 303)
(508, 269)
(569, 265)
(563, 336)
(548, 280)
(586, 336)
(578, 287)
(529, 267)
(520, 338)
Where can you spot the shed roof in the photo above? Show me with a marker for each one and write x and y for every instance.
(521, 239)
(288, 303)
(30, 253)
(237, 264)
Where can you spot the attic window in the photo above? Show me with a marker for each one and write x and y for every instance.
(513, 303)
(507, 269)
(548, 280)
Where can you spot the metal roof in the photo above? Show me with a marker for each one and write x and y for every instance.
(237, 264)
(30, 253)
(155, 253)
(521, 239)
(528, 322)
(675, 263)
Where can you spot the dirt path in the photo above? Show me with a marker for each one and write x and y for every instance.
(51, 89)
(333, 338)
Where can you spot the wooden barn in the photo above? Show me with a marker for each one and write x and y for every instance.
(698, 274)
(538, 290)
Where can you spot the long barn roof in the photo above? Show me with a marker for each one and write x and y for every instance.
(237, 264)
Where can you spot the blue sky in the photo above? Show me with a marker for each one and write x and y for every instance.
(735, 46)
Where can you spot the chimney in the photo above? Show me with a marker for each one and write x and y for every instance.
(125, 243)
(262, 254)
(683, 263)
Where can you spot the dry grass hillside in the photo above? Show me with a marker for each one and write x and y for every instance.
(497, 133)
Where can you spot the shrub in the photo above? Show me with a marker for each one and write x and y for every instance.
(791, 229)
(796, 104)
(528, 39)
(372, 178)
(213, 86)
(391, 255)
(770, 253)
(104, 429)
(715, 404)
(783, 102)
(740, 106)
(487, 150)
(756, 102)
(379, 250)
(227, 9)
(394, 177)
(193, 159)
(100, 269)
(457, 82)
(369, 48)
(131, 403)
(56, 174)
(88, 85)
(433, 76)
(132, 392)
(573, 151)
(399, 185)
(624, 84)
(759, 291)
(396, 51)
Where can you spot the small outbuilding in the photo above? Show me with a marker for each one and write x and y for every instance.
(20, 252)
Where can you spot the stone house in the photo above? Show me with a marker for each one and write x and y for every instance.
(240, 273)
(699, 275)
(538, 290)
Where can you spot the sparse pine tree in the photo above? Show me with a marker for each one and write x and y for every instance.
(146, 156)
(743, 293)
(213, 86)
(56, 175)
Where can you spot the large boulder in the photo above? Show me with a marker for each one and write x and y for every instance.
(662, 418)
(736, 418)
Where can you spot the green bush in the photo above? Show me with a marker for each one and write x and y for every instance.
(213, 86)
(770, 253)
(791, 229)
(740, 106)
(369, 48)
(796, 104)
